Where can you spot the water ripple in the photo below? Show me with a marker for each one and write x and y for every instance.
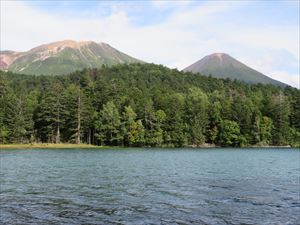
(139, 186)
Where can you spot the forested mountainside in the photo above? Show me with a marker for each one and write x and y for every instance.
(146, 105)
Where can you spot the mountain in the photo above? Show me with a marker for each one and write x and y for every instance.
(63, 57)
(221, 65)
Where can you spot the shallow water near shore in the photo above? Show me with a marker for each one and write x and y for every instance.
(150, 186)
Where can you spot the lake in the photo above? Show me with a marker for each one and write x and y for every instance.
(150, 186)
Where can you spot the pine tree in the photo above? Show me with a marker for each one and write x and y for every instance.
(214, 114)
(50, 114)
(175, 126)
(79, 114)
(109, 125)
(17, 121)
(197, 115)
(280, 116)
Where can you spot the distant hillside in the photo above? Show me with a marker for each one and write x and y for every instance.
(63, 57)
(221, 65)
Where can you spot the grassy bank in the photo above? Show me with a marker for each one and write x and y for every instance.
(47, 145)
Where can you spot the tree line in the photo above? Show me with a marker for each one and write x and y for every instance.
(145, 105)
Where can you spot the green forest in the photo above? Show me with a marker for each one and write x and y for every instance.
(146, 105)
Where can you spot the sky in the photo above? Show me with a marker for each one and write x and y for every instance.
(262, 34)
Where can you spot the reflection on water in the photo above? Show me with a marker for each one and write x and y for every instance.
(150, 186)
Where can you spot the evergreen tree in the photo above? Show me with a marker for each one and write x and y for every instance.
(79, 115)
(109, 125)
(280, 116)
(230, 134)
(4, 132)
(133, 129)
(215, 118)
(153, 122)
(266, 127)
(197, 115)
(18, 121)
(175, 126)
(50, 114)
(295, 109)
(242, 113)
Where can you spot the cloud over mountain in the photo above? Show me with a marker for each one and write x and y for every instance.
(173, 35)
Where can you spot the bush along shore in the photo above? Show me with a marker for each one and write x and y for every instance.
(142, 105)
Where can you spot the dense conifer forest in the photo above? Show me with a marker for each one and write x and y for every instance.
(145, 105)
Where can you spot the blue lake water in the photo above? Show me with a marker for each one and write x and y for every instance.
(150, 186)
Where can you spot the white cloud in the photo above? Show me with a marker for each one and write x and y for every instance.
(279, 64)
(184, 37)
(288, 78)
(162, 4)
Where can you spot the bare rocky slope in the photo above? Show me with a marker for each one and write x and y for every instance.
(63, 57)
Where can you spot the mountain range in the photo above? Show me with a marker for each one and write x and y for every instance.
(67, 56)
(63, 57)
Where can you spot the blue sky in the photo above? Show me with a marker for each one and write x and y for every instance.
(262, 34)
(149, 12)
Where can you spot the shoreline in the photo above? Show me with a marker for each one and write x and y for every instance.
(89, 146)
(49, 146)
